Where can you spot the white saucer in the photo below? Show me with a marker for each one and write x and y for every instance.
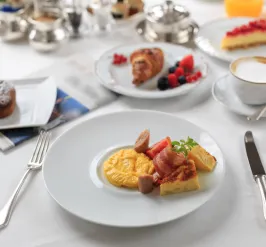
(224, 93)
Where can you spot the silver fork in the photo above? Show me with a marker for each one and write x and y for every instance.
(35, 163)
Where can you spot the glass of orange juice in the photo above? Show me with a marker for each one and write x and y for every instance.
(252, 8)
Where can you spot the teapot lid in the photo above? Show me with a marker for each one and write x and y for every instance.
(167, 13)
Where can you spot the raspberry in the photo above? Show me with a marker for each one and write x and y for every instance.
(179, 71)
(187, 73)
(172, 80)
(194, 78)
(123, 59)
(119, 59)
(188, 78)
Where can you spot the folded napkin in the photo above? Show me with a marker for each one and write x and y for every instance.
(78, 93)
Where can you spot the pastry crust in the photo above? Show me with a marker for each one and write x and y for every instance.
(146, 63)
(246, 46)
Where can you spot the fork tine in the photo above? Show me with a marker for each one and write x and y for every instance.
(48, 142)
(44, 147)
(34, 156)
(41, 147)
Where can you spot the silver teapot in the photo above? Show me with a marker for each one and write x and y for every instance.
(46, 36)
(13, 26)
(169, 22)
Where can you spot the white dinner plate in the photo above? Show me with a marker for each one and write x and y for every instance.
(35, 99)
(210, 35)
(119, 78)
(73, 170)
(223, 91)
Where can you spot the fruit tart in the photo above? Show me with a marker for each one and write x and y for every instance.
(251, 34)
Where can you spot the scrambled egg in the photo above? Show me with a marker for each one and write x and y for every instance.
(124, 167)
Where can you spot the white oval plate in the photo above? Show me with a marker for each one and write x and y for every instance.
(210, 35)
(119, 78)
(73, 171)
(223, 92)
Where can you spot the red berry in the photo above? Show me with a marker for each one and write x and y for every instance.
(187, 73)
(187, 62)
(115, 60)
(119, 59)
(172, 80)
(198, 74)
(179, 71)
(194, 78)
(124, 59)
(188, 78)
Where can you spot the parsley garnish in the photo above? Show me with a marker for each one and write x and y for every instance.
(184, 146)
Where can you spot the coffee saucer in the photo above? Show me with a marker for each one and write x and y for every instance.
(223, 92)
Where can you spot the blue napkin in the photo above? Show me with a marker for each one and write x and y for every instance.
(66, 109)
(9, 9)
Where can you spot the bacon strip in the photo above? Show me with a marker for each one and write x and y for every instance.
(167, 161)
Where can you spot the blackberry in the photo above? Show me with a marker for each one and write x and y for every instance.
(182, 80)
(163, 83)
(172, 70)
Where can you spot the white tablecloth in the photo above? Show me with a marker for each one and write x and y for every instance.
(233, 217)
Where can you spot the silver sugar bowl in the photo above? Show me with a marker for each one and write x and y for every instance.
(169, 22)
(47, 31)
(13, 25)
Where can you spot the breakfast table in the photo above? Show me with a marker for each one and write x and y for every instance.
(233, 216)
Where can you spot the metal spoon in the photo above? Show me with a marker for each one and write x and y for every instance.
(257, 115)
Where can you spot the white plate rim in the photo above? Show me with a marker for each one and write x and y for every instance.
(212, 193)
(50, 105)
(217, 54)
(150, 95)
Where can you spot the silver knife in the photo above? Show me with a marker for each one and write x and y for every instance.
(256, 167)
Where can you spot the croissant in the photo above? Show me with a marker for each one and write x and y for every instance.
(146, 63)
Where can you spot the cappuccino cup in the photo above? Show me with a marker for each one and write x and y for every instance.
(248, 77)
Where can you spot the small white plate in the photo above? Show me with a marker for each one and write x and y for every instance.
(210, 35)
(119, 78)
(223, 92)
(73, 170)
(35, 99)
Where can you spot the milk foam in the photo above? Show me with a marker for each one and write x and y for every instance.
(251, 70)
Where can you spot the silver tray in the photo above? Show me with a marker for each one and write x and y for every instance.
(184, 37)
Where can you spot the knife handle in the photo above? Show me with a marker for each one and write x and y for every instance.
(261, 181)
